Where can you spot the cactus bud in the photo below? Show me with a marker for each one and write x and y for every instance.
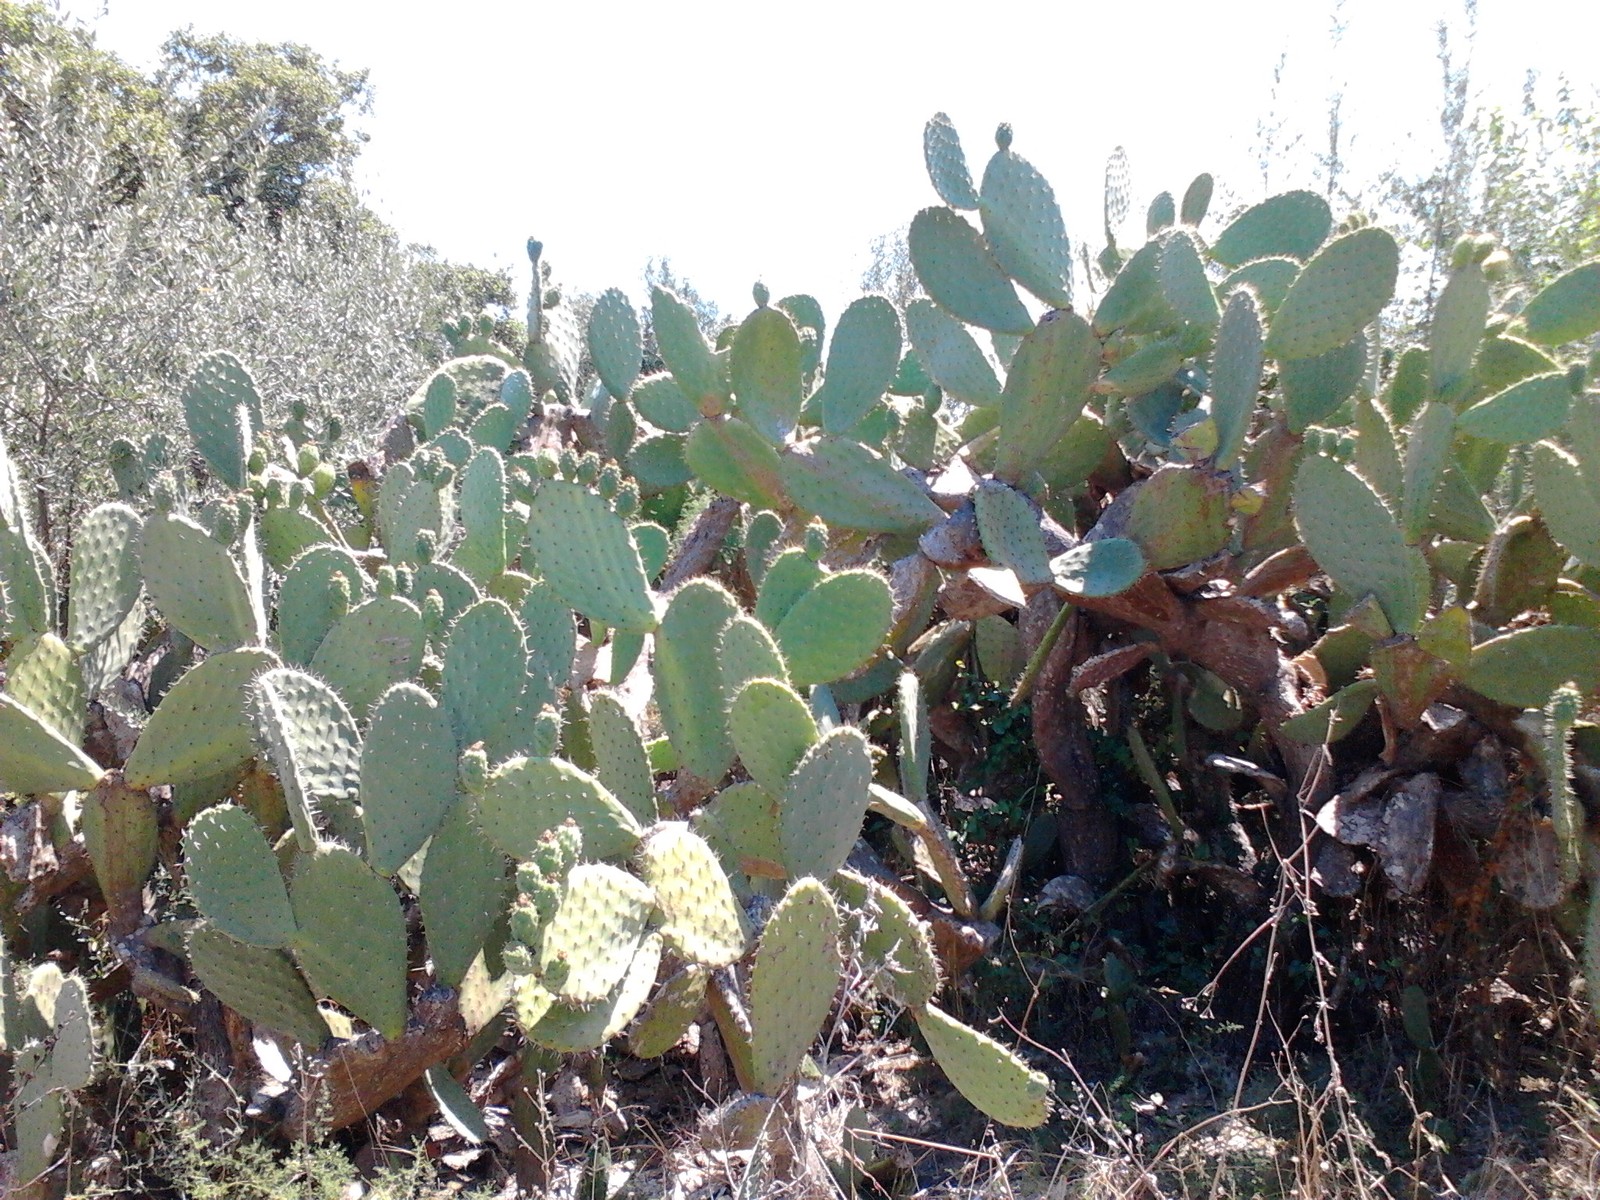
(558, 850)
(1002, 136)
(164, 493)
(588, 468)
(569, 464)
(322, 480)
(485, 325)
(525, 922)
(816, 541)
(387, 584)
(333, 430)
(472, 772)
(257, 462)
(338, 594)
(297, 494)
(298, 410)
(277, 493)
(548, 464)
(225, 524)
(433, 615)
(427, 543)
(306, 459)
(546, 733)
(552, 298)
(761, 294)
(244, 511)
(518, 959)
(627, 502)
(609, 480)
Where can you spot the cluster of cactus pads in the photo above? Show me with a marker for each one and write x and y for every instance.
(613, 775)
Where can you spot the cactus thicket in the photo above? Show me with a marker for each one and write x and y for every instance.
(473, 717)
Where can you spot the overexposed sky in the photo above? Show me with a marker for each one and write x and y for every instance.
(750, 141)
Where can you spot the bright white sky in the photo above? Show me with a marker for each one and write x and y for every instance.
(750, 141)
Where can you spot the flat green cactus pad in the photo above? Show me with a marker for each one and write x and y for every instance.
(661, 401)
(1010, 530)
(1525, 667)
(45, 679)
(196, 584)
(1338, 294)
(836, 626)
(370, 648)
(1023, 227)
(1568, 502)
(235, 878)
(823, 804)
(741, 824)
(307, 606)
(1357, 541)
(947, 165)
(462, 893)
(694, 367)
(957, 268)
(950, 355)
(846, 483)
(260, 985)
(688, 681)
(772, 729)
(1180, 515)
(1313, 388)
(202, 728)
(1567, 310)
(1293, 224)
(895, 945)
(995, 1080)
(1101, 568)
(674, 1007)
(527, 796)
(105, 574)
(574, 1030)
(584, 551)
(35, 758)
(219, 386)
(351, 937)
(408, 775)
(1045, 389)
(766, 372)
(315, 751)
(701, 919)
(622, 764)
(616, 342)
(862, 360)
(729, 456)
(1525, 412)
(792, 984)
(485, 671)
(589, 944)
(1235, 374)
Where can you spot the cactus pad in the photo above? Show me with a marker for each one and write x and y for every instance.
(772, 729)
(952, 359)
(370, 648)
(1357, 541)
(196, 584)
(835, 627)
(823, 803)
(1045, 389)
(314, 749)
(260, 985)
(688, 682)
(462, 893)
(584, 551)
(701, 919)
(589, 943)
(235, 879)
(105, 574)
(793, 981)
(958, 270)
(351, 937)
(35, 758)
(527, 796)
(1339, 292)
(995, 1080)
(573, 1030)
(408, 775)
